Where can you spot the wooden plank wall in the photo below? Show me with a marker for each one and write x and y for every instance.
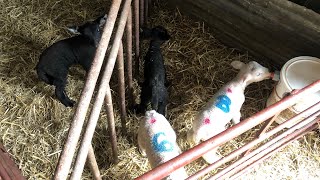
(274, 30)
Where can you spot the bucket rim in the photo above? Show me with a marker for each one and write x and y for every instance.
(285, 67)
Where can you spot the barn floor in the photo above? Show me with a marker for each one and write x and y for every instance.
(33, 124)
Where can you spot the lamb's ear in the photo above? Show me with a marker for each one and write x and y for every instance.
(141, 29)
(237, 64)
(145, 33)
(102, 20)
(150, 113)
(73, 29)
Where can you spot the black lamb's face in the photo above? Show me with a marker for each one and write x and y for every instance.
(156, 33)
(160, 33)
(92, 30)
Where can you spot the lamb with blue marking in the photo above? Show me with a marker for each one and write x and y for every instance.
(56, 60)
(225, 105)
(157, 141)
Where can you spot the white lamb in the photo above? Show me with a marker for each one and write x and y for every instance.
(225, 105)
(157, 141)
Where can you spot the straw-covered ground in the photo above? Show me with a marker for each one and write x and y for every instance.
(33, 124)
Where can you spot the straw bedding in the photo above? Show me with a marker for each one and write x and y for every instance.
(34, 125)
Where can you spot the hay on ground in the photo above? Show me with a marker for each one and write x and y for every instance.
(33, 124)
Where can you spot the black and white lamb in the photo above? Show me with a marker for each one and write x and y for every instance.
(56, 60)
(154, 88)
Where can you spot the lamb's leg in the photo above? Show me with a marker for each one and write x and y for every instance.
(163, 102)
(190, 137)
(211, 156)
(162, 108)
(236, 118)
(61, 94)
(166, 82)
(44, 77)
(155, 97)
(142, 149)
(145, 97)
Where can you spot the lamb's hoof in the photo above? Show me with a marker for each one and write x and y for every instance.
(190, 137)
(134, 108)
(167, 84)
(69, 103)
(137, 109)
(143, 153)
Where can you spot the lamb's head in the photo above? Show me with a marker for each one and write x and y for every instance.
(251, 72)
(153, 118)
(91, 30)
(157, 33)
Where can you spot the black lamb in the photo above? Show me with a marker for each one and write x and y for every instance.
(154, 86)
(55, 61)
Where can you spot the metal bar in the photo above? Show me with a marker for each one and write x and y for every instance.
(246, 170)
(274, 142)
(137, 38)
(141, 12)
(86, 141)
(146, 11)
(103, 89)
(263, 129)
(267, 124)
(122, 89)
(150, 7)
(65, 160)
(259, 154)
(8, 169)
(93, 164)
(111, 125)
(194, 153)
(129, 58)
(254, 142)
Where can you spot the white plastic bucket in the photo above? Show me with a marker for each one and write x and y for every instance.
(296, 74)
